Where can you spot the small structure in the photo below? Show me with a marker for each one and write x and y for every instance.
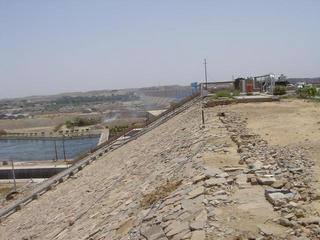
(266, 83)
(247, 85)
(260, 84)
(195, 87)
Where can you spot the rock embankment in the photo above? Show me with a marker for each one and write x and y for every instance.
(181, 180)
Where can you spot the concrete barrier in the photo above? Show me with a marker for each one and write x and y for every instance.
(28, 173)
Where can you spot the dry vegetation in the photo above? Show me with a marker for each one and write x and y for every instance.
(4, 189)
(159, 193)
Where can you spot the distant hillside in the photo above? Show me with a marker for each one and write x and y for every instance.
(150, 91)
(307, 80)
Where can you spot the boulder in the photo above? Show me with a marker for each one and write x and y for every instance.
(266, 180)
(310, 220)
(278, 198)
(286, 223)
(278, 183)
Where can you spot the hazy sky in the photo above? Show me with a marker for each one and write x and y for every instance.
(57, 46)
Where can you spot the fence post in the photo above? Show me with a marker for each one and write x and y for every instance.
(202, 113)
(13, 176)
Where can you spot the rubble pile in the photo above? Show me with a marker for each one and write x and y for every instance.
(285, 172)
(189, 212)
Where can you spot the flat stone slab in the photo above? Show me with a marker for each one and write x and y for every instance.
(266, 180)
(220, 198)
(233, 169)
(153, 232)
(278, 198)
(222, 175)
(270, 229)
(198, 235)
(198, 178)
(215, 182)
(199, 221)
(197, 225)
(212, 172)
(310, 220)
(194, 204)
(241, 179)
(176, 227)
(278, 184)
(196, 192)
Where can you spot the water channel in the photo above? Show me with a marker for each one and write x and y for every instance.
(29, 149)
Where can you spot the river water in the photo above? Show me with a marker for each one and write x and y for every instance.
(27, 150)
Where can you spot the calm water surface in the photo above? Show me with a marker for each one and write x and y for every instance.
(25, 150)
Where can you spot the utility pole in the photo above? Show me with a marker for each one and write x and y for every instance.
(13, 176)
(205, 74)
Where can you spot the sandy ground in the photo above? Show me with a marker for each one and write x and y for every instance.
(289, 122)
(285, 122)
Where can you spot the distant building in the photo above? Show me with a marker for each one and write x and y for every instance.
(263, 83)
